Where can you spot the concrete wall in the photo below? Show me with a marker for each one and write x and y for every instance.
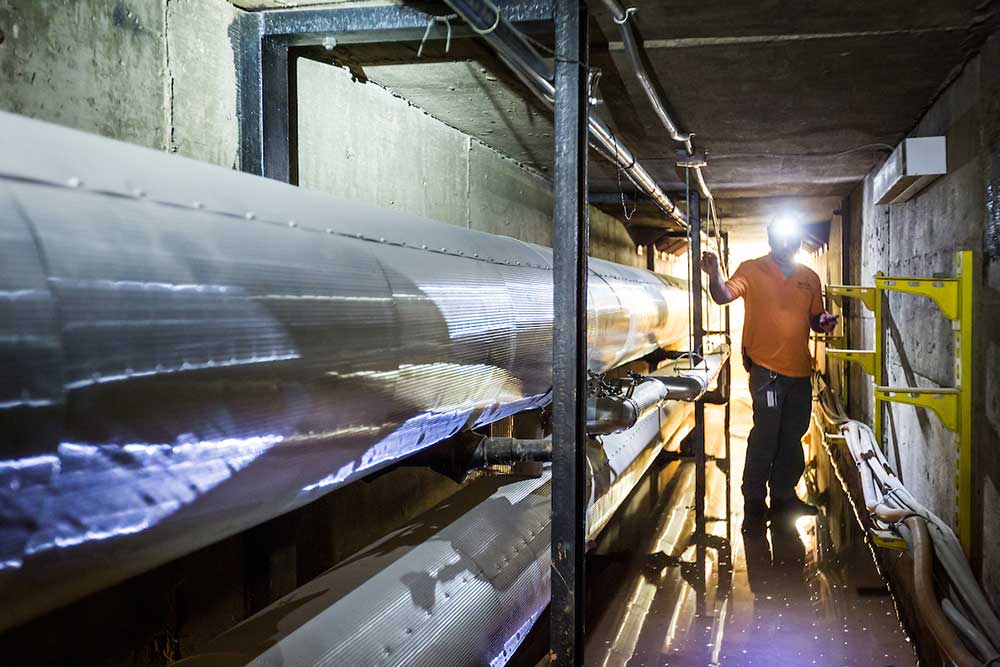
(360, 141)
(153, 72)
(920, 238)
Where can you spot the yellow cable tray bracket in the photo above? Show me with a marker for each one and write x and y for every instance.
(887, 540)
(864, 358)
(944, 402)
(952, 405)
(864, 294)
(945, 292)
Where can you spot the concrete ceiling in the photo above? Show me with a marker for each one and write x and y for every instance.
(793, 106)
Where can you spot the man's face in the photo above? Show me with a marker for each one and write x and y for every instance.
(784, 246)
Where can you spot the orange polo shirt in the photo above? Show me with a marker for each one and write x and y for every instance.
(778, 310)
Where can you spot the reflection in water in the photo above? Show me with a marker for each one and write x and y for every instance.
(788, 594)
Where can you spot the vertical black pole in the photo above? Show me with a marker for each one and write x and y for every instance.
(251, 92)
(275, 111)
(698, 435)
(266, 88)
(569, 361)
(728, 408)
(651, 257)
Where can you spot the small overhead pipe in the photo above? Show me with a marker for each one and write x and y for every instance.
(623, 18)
(513, 48)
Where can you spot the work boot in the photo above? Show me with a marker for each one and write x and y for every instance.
(791, 508)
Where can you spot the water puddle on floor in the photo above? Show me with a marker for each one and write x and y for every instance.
(803, 593)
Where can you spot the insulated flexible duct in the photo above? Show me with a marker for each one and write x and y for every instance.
(189, 351)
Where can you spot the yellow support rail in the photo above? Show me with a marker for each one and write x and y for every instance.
(888, 540)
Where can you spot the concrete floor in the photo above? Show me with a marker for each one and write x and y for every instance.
(804, 595)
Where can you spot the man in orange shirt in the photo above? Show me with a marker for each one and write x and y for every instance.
(783, 301)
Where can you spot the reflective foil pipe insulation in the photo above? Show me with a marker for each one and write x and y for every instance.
(617, 461)
(190, 351)
(465, 594)
(614, 445)
(514, 49)
(676, 382)
(623, 19)
(687, 381)
(612, 414)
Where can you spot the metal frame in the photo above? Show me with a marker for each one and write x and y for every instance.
(728, 409)
(569, 337)
(267, 78)
(266, 71)
(698, 433)
(266, 66)
(953, 406)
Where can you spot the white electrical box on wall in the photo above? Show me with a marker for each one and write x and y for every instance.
(912, 166)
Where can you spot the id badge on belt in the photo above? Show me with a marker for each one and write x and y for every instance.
(771, 395)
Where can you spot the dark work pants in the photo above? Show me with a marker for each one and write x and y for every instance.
(774, 448)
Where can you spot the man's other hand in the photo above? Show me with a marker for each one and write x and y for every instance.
(827, 322)
(709, 263)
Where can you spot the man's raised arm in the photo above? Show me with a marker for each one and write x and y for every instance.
(716, 281)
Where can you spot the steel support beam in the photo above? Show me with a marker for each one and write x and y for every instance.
(727, 423)
(266, 65)
(569, 363)
(697, 336)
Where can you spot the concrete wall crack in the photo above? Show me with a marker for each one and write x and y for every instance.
(168, 84)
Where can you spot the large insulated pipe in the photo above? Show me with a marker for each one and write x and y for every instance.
(466, 594)
(513, 47)
(189, 351)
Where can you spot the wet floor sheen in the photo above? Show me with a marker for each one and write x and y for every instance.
(803, 593)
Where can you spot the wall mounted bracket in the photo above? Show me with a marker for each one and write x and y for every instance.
(944, 402)
(864, 358)
(864, 294)
(943, 291)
